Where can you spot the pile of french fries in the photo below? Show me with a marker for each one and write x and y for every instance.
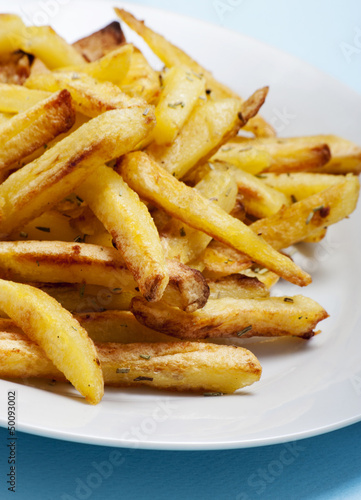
(138, 222)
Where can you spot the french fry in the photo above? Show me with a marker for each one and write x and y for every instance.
(180, 366)
(221, 260)
(245, 157)
(44, 43)
(302, 219)
(301, 185)
(59, 335)
(181, 90)
(209, 126)
(11, 31)
(182, 241)
(60, 170)
(133, 231)
(112, 67)
(90, 96)
(277, 155)
(158, 186)
(259, 199)
(16, 98)
(141, 80)
(237, 286)
(27, 131)
(50, 226)
(58, 262)
(100, 42)
(174, 56)
(270, 317)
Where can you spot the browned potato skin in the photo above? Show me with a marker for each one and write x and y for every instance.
(179, 366)
(28, 131)
(100, 42)
(272, 317)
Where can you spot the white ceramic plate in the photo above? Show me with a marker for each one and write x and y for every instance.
(307, 388)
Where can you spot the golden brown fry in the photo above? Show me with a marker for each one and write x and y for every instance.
(16, 98)
(181, 241)
(90, 96)
(156, 185)
(304, 218)
(100, 42)
(112, 67)
(181, 366)
(237, 286)
(44, 43)
(133, 231)
(141, 81)
(11, 30)
(228, 317)
(60, 336)
(300, 185)
(60, 170)
(58, 262)
(174, 56)
(259, 199)
(180, 93)
(27, 131)
(209, 126)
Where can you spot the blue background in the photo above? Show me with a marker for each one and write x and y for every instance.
(323, 33)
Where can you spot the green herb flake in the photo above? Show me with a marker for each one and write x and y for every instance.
(44, 229)
(293, 198)
(116, 290)
(174, 105)
(122, 370)
(288, 299)
(37, 262)
(189, 78)
(81, 291)
(261, 176)
(144, 356)
(244, 331)
(79, 200)
(139, 379)
(73, 327)
(182, 232)
(22, 234)
(45, 146)
(146, 111)
(309, 217)
(212, 394)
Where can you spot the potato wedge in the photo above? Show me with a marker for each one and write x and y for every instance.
(28, 131)
(180, 366)
(133, 231)
(60, 170)
(271, 317)
(90, 96)
(181, 90)
(59, 335)
(174, 56)
(12, 30)
(158, 186)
